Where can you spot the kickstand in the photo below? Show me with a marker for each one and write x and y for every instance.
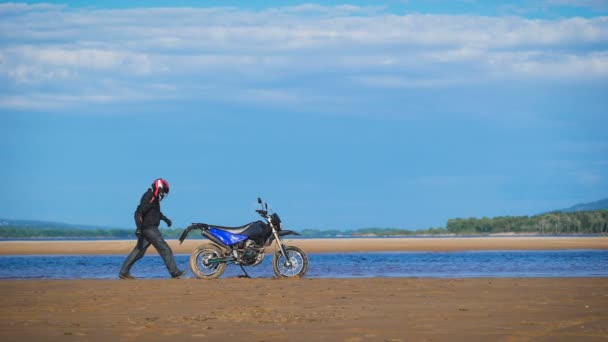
(246, 275)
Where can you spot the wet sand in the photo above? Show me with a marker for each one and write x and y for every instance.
(234, 309)
(324, 245)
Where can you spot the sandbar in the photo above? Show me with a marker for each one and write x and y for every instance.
(323, 245)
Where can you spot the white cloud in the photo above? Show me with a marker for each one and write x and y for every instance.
(73, 53)
(16, 8)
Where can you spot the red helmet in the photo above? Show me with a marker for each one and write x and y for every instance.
(160, 187)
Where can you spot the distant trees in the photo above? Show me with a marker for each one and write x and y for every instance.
(58, 233)
(371, 232)
(583, 222)
(35, 232)
(395, 232)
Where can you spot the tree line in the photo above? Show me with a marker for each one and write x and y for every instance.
(33, 232)
(584, 222)
(57, 233)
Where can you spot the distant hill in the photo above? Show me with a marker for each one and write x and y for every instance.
(39, 229)
(32, 229)
(597, 205)
(33, 224)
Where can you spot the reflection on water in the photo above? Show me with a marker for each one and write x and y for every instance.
(577, 263)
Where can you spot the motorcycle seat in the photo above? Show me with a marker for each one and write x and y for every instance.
(233, 230)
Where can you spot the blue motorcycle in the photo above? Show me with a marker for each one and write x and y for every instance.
(245, 246)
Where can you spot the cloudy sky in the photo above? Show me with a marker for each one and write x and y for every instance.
(340, 114)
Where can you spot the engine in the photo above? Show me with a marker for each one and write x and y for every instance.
(251, 254)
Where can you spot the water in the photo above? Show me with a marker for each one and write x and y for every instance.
(570, 263)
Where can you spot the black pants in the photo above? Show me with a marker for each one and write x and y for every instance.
(150, 236)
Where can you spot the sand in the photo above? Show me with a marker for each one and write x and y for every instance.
(377, 309)
(234, 309)
(323, 245)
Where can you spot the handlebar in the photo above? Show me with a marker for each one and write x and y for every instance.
(262, 212)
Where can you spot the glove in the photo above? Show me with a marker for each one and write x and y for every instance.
(138, 232)
(168, 221)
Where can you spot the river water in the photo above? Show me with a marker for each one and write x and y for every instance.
(566, 263)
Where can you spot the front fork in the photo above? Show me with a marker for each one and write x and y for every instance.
(281, 247)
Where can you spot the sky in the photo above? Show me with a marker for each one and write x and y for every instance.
(341, 115)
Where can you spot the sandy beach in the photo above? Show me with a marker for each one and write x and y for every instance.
(323, 245)
(369, 309)
(558, 309)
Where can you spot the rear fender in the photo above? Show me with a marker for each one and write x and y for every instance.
(201, 226)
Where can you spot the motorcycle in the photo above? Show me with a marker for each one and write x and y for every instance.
(245, 246)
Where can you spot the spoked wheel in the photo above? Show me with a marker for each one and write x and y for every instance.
(297, 265)
(199, 262)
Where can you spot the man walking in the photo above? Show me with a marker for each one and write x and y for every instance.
(147, 220)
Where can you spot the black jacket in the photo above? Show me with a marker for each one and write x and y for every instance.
(148, 212)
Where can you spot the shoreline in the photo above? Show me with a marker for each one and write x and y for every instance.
(330, 245)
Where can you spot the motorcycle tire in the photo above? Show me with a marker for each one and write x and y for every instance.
(298, 259)
(206, 252)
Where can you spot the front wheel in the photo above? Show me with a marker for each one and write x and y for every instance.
(199, 262)
(297, 265)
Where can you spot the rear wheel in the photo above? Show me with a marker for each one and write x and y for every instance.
(199, 262)
(297, 265)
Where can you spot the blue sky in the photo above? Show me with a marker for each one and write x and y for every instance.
(341, 114)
